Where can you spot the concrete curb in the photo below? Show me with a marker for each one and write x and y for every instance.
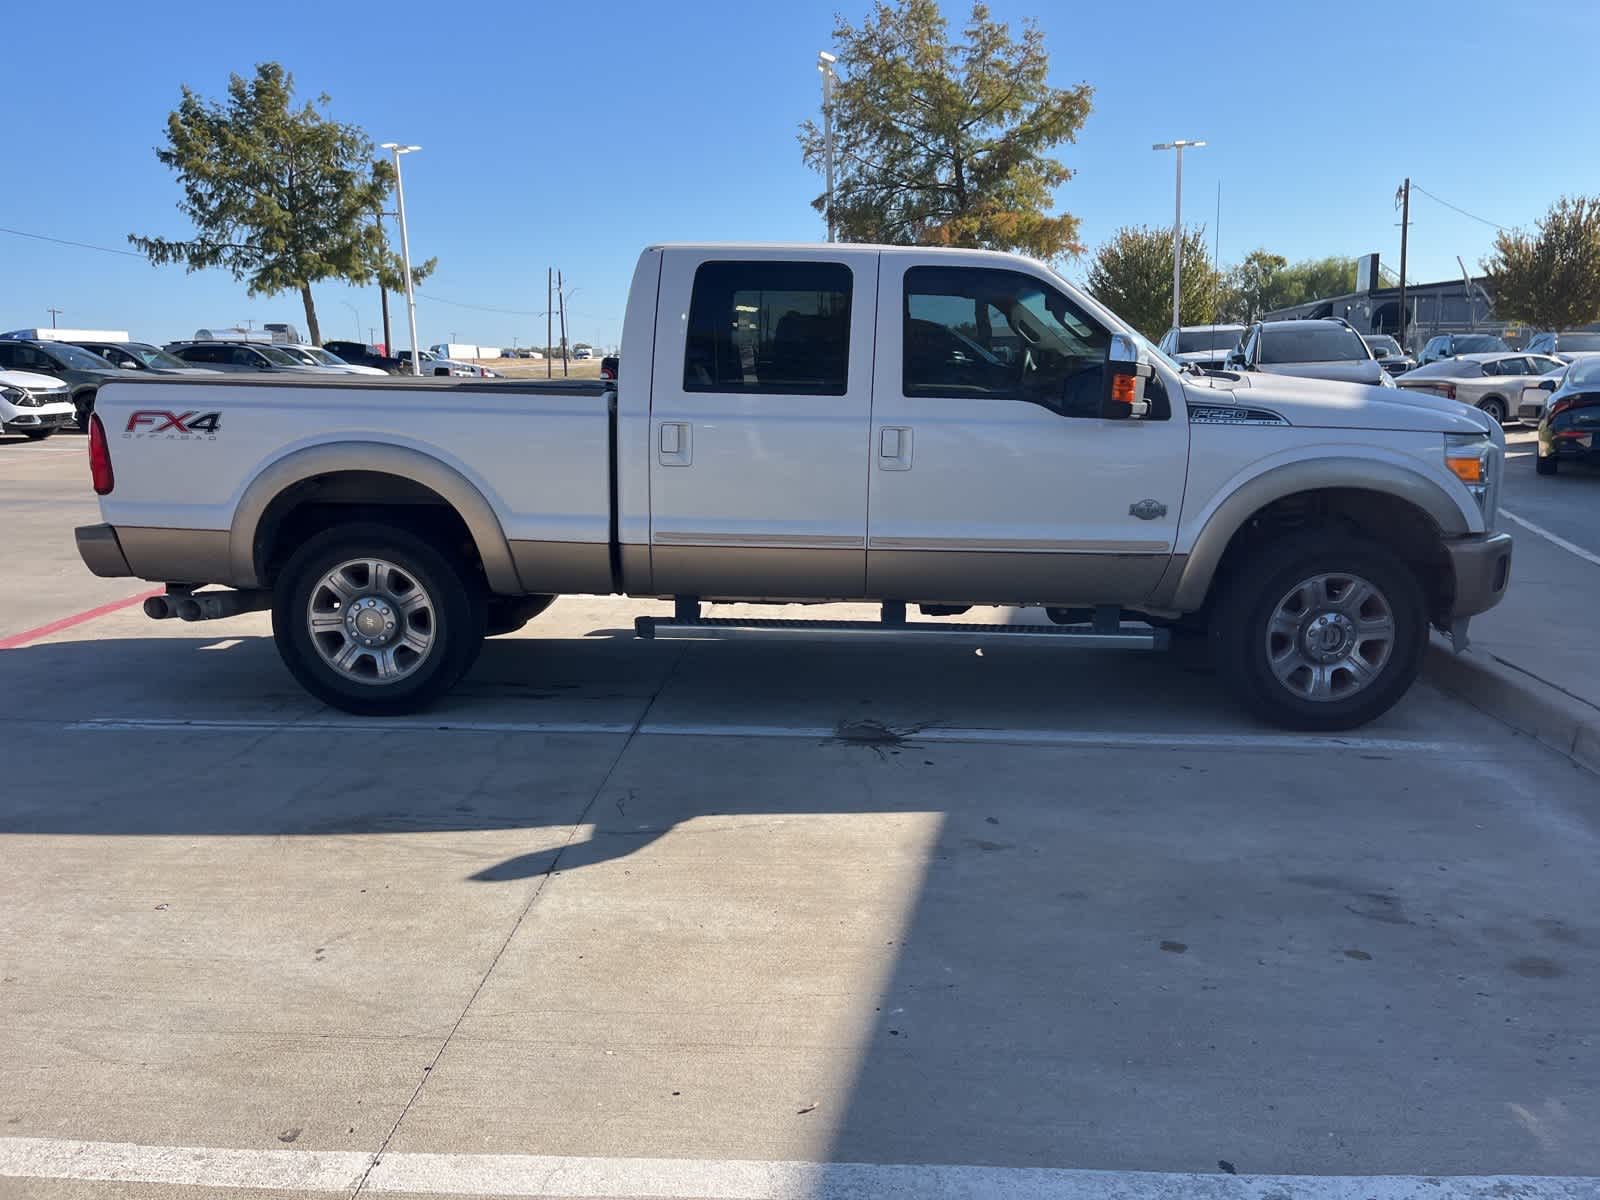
(1523, 701)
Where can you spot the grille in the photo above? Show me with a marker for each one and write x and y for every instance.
(40, 399)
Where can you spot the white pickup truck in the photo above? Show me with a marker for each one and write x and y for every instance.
(943, 428)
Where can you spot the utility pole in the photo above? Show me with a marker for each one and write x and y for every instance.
(388, 345)
(1178, 144)
(54, 313)
(549, 359)
(561, 300)
(1404, 196)
(825, 63)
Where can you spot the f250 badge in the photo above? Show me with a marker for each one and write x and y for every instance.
(153, 423)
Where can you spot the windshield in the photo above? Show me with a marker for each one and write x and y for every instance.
(1583, 373)
(78, 359)
(1578, 341)
(274, 354)
(1287, 342)
(1475, 343)
(1383, 347)
(1192, 341)
(155, 358)
(301, 356)
(325, 358)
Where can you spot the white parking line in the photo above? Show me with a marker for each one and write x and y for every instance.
(571, 1178)
(864, 732)
(1570, 547)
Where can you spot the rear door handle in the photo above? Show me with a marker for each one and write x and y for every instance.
(675, 444)
(894, 448)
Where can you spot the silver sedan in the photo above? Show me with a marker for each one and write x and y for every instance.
(1492, 382)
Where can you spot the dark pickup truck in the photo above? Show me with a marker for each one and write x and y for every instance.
(359, 354)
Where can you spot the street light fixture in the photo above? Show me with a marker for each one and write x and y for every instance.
(825, 63)
(1180, 145)
(405, 249)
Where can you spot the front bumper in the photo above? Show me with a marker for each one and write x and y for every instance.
(22, 420)
(101, 551)
(1482, 568)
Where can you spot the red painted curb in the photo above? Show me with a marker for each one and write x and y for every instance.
(44, 631)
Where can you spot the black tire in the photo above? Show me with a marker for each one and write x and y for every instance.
(1243, 642)
(1545, 466)
(83, 405)
(507, 614)
(1495, 408)
(455, 626)
(37, 435)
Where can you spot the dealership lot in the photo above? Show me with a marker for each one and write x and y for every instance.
(748, 906)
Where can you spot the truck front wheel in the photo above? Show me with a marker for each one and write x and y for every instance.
(376, 621)
(1320, 631)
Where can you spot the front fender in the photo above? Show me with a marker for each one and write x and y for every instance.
(1188, 579)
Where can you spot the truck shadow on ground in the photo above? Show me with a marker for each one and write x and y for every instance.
(1108, 960)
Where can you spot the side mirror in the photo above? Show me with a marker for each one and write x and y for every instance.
(1125, 377)
(1236, 359)
(128, 366)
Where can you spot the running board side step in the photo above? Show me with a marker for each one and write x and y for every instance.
(1131, 636)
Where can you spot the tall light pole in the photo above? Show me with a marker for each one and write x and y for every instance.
(1180, 145)
(825, 63)
(405, 250)
(356, 313)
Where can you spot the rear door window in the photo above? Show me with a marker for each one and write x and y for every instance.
(775, 328)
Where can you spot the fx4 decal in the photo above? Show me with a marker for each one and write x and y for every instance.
(149, 422)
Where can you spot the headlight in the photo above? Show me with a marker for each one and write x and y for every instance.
(1475, 461)
(13, 395)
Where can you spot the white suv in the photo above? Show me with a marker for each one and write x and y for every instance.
(34, 405)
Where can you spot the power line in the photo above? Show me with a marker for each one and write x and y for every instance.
(39, 237)
(1454, 208)
(510, 312)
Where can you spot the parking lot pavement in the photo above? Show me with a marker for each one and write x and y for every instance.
(671, 919)
(1564, 506)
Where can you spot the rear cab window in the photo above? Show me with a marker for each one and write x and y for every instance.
(774, 328)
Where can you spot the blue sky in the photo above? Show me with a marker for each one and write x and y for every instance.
(572, 135)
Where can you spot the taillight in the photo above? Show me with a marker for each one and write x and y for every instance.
(1449, 392)
(100, 458)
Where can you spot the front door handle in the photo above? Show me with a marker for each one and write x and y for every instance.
(894, 448)
(675, 444)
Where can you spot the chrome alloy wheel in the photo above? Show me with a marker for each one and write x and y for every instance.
(371, 621)
(1330, 637)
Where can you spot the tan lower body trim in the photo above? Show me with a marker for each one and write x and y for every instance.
(758, 573)
(178, 555)
(562, 567)
(1007, 577)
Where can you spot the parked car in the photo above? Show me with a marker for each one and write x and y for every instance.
(321, 356)
(1391, 357)
(80, 370)
(1327, 348)
(1566, 343)
(582, 353)
(388, 535)
(141, 356)
(609, 365)
(1491, 382)
(1453, 345)
(1569, 431)
(359, 354)
(245, 356)
(34, 405)
(1206, 345)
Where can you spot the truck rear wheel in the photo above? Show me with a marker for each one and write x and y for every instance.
(1320, 631)
(376, 621)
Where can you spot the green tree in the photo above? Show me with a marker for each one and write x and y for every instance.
(1551, 279)
(1254, 286)
(1132, 276)
(945, 143)
(279, 197)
